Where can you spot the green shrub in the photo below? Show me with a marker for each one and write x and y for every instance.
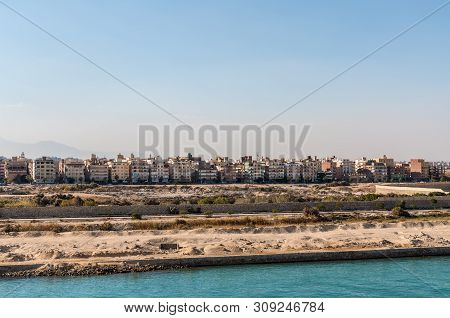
(136, 216)
(401, 204)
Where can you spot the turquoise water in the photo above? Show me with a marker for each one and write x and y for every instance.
(408, 277)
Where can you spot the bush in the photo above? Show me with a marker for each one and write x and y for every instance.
(401, 204)
(311, 212)
(89, 202)
(399, 212)
(173, 210)
(136, 216)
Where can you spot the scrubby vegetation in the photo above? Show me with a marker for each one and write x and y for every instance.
(309, 217)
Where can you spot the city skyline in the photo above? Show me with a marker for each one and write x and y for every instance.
(234, 63)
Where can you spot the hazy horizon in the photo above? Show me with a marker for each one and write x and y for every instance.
(229, 62)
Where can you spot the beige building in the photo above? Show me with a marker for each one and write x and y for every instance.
(311, 168)
(72, 170)
(180, 169)
(119, 169)
(140, 170)
(97, 169)
(44, 170)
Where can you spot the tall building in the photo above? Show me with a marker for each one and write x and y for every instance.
(72, 170)
(181, 169)
(119, 169)
(275, 170)
(420, 170)
(159, 170)
(2, 169)
(97, 169)
(45, 170)
(311, 169)
(16, 169)
(140, 170)
(294, 171)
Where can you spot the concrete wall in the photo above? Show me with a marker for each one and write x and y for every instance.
(298, 257)
(104, 211)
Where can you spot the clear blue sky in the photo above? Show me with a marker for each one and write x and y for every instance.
(229, 62)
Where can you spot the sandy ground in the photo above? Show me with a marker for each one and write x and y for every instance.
(103, 246)
(169, 194)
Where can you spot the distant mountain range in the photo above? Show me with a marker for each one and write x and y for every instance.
(44, 148)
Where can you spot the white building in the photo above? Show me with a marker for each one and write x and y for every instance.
(159, 170)
(294, 171)
(44, 170)
(275, 170)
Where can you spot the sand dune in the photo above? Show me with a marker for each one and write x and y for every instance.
(95, 246)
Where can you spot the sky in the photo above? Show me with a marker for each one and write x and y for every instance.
(229, 62)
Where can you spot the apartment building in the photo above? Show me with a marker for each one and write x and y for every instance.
(181, 169)
(44, 170)
(346, 168)
(159, 170)
(16, 169)
(207, 173)
(2, 169)
(119, 169)
(97, 169)
(275, 170)
(255, 171)
(329, 167)
(140, 170)
(379, 171)
(437, 170)
(311, 168)
(72, 170)
(294, 171)
(420, 170)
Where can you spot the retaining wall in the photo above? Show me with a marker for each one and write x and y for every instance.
(105, 211)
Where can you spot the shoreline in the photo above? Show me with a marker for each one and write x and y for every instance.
(146, 265)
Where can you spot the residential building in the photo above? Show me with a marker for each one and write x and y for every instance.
(294, 171)
(140, 170)
(379, 171)
(44, 170)
(2, 169)
(254, 170)
(181, 169)
(275, 170)
(72, 170)
(346, 168)
(16, 169)
(97, 169)
(420, 170)
(159, 170)
(119, 169)
(207, 173)
(311, 168)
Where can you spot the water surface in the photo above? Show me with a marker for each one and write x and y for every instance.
(408, 277)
